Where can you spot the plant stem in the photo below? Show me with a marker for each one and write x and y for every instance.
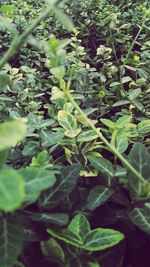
(110, 146)
(20, 40)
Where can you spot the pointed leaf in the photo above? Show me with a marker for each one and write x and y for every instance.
(67, 120)
(52, 249)
(100, 238)
(11, 238)
(64, 186)
(79, 225)
(141, 217)
(98, 196)
(103, 165)
(36, 180)
(55, 218)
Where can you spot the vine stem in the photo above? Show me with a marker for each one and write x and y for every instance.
(110, 146)
(20, 40)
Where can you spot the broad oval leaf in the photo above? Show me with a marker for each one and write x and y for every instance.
(87, 136)
(98, 196)
(79, 225)
(67, 236)
(139, 158)
(141, 217)
(67, 120)
(63, 187)
(11, 239)
(100, 238)
(36, 180)
(12, 190)
(144, 127)
(103, 165)
(11, 133)
(122, 121)
(52, 249)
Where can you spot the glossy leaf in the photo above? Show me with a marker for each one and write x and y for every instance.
(87, 136)
(64, 186)
(103, 165)
(100, 238)
(144, 127)
(98, 196)
(55, 218)
(79, 225)
(141, 217)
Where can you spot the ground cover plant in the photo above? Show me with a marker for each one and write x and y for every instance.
(74, 133)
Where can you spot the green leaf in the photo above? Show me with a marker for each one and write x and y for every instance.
(141, 217)
(64, 186)
(121, 143)
(36, 180)
(11, 133)
(64, 19)
(100, 238)
(108, 123)
(11, 238)
(126, 79)
(98, 196)
(84, 261)
(55, 218)
(7, 25)
(139, 159)
(4, 80)
(79, 225)
(11, 190)
(67, 236)
(3, 157)
(52, 249)
(144, 127)
(67, 121)
(87, 136)
(123, 121)
(103, 165)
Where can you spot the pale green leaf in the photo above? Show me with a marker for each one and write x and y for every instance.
(12, 190)
(123, 121)
(11, 133)
(144, 127)
(67, 120)
(108, 123)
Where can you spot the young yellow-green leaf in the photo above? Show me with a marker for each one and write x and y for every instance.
(123, 121)
(98, 196)
(100, 238)
(67, 120)
(79, 225)
(144, 127)
(87, 136)
(72, 133)
(12, 190)
(11, 133)
(110, 124)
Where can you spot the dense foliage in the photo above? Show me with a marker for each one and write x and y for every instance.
(74, 133)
